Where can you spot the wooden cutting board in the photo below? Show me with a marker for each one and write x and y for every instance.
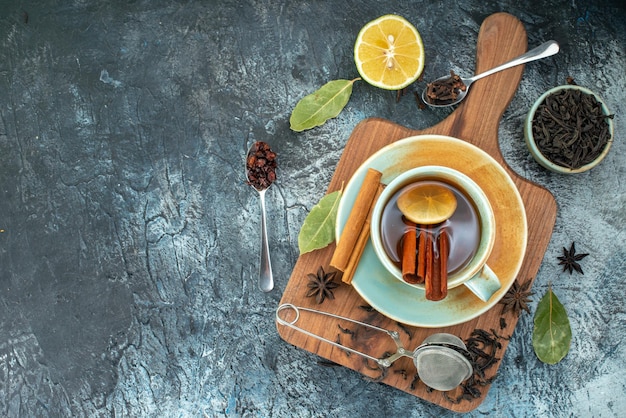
(501, 38)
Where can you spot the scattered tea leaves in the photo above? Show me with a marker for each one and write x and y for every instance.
(483, 348)
(318, 229)
(326, 103)
(552, 333)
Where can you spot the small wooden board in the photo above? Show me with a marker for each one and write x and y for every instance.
(501, 38)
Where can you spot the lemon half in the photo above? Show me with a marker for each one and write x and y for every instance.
(389, 53)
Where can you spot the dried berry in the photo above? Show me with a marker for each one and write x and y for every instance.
(261, 166)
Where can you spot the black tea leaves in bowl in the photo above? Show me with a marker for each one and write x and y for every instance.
(569, 129)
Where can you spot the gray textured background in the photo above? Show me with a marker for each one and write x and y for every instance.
(129, 241)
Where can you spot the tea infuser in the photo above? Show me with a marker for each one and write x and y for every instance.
(442, 360)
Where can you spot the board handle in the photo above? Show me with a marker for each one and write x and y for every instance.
(501, 38)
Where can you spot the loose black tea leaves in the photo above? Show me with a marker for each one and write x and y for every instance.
(415, 381)
(483, 348)
(570, 128)
(261, 166)
(400, 93)
(347, 331)
(338, 342)
(445, 91)
(327, 363)
(418, 99)
(404, 329)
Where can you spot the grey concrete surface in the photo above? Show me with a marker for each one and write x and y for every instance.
(129, 241)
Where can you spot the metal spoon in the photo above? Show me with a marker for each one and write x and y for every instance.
(542, 51)
(266, 278)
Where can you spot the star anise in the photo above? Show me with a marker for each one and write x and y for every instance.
(321, 285)
(570, 259)
(517, 298)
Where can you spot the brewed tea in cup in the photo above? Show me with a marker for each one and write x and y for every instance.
(463, 228)
(470, 230)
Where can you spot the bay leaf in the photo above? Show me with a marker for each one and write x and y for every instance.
(552, 334)
(318, 229)
(325, 103)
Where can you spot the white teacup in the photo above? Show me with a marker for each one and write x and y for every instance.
(474, 273)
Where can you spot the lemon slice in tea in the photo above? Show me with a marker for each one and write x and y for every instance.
(427, 203)
(389, 53)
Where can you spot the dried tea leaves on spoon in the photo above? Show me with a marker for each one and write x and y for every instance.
(445, 91)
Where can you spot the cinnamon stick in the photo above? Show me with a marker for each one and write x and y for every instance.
(356, 220)
(436, 282)
(444, 252)
(409, 254)
(427, 257)
(361, 242)
(421, 255)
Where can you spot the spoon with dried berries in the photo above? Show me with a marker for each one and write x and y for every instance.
(452, 89)
(261, 173)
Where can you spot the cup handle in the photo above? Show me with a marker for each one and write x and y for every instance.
(484, 283)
